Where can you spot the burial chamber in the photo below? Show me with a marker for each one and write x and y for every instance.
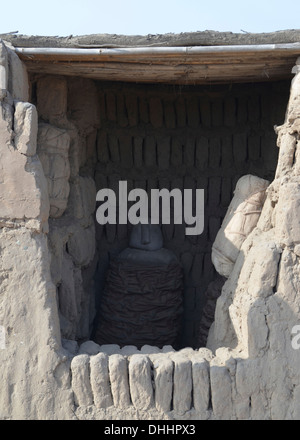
(65, 135)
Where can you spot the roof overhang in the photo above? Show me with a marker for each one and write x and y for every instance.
(175, 65)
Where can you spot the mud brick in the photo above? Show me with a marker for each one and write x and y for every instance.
(214, 153)
(111, 106)
(254, 146)
(214, 224)
(189, 183)
(189, 151)
(205, 112)
(254, 108)
(229, 112)
(102, 110)
(193, 114)
(189, 298)
(186, 261)
(269, 151)
(113, 144)
(91, 152)
(266, 108)
(168, 231)
(169, 113)
(125, 143)
(163, 152)
(143, 110)
(179, 234)
(113, 183)
(110, 232)
(140, 184)
(131, 104)
(180, 111)
(196, 271)
(101, 180)
(121, 112)
(138, 151)
(208, 269)
(217, 113)
(202, 153)
(156, 112)
(102, 147)
(227, 152)
(176, 152)
(121, 232)
(226, 192)
(240, 148)
(202, 183)
(214, 191)
(150, 151)
(242, 110)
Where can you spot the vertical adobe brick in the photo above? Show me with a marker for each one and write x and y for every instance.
(242, 110)
(169, 114)
(102, 147)
(121, 111)
(189, 151)
(163, 152)
(240, 152)
(111, 106)
(186, 261)
(227, 152)
(229, 112)
(196, 271)
(131, 104)
(214, 225)
(214, 153)
(205, 112)
(156, 112)
(254, 107)
(180, 111)
(226, 191)
(125, 143)
(176, 152)
(254, 146)
(193, 115)
(214, 191)
(189, 299)
(143, 110)
(138, 151)
(102, 110)
(202, 153)
(150, 151)
(113, 144)
(217, 112)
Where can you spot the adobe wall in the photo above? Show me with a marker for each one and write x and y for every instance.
(248, 370)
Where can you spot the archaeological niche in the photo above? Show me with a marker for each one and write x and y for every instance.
(120, 320)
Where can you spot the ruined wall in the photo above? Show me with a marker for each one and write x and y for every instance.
(185, 137)
(249, 370)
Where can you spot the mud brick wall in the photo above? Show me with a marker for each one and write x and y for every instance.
(185, 137)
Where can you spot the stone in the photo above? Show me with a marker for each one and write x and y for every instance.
(221, 394)
(25, 128)
(140, 383)
(201, 383)
(52, 98)
(70, 345)
(100, 380)
(53, 146)
(18, 83)
(23, 189)
(182, 388)
(163, 381)
(241, 218)
(90, 348)
(80, 367)
(118, 375)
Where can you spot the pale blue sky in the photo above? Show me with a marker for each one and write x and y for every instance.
(132, 17)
